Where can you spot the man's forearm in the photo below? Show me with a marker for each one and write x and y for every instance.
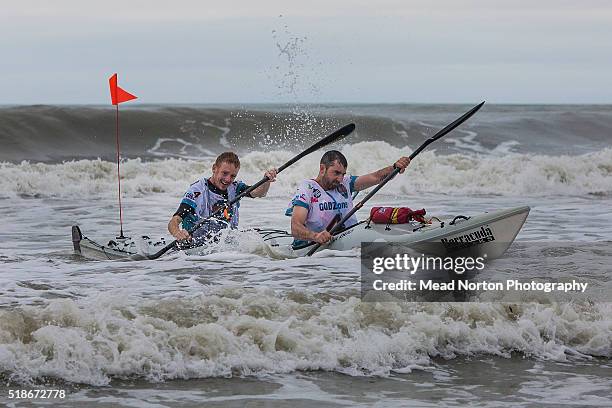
(174, 225)
(372, 179)
(262, 190)
(300, 231)
(382, 173)
(377, 177)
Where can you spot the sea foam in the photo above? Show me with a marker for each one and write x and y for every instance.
(235, 331)
(510, 174)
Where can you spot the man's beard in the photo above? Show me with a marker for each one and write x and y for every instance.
(332, 184)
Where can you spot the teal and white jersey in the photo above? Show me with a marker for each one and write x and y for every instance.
(201, 197)
(323, 205)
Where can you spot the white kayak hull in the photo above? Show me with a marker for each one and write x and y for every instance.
(489, 233)
(114, 249)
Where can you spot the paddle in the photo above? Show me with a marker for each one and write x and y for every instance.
(395, 171)
(337, 135)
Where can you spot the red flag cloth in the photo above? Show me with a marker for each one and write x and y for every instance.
(118, 95)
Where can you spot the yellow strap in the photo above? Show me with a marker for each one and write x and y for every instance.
(394, 216)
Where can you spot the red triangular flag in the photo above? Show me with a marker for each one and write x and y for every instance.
(118, 95)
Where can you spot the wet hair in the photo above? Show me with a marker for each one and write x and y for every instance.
(228, 157)
(331, 156)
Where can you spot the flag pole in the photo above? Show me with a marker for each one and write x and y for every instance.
(119, 174)
(118, 96)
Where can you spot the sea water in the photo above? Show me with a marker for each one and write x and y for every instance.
(244, 325)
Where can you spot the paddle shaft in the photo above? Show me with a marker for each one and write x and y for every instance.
(447, 129)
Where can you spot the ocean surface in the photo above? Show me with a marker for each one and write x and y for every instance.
(243, 326)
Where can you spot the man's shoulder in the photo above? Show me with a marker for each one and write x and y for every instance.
(307, 185)
(200, 183)
(304, 194)
(240, 186)
(195, 191)
(349, 181)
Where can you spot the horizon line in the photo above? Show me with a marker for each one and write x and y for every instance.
(135, 105)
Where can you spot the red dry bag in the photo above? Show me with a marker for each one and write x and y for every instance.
(396, 215)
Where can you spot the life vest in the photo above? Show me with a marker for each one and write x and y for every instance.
(324, 205)
(203, 201)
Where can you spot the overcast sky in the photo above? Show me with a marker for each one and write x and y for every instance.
(63, 52)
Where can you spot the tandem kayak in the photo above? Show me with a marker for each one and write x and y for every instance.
(490, 233)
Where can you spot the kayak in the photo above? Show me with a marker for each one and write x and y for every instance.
(490, 233)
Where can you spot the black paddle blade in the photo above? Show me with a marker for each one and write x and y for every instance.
(163, 250)
(458, 121)
(334, 137)
(447, 128)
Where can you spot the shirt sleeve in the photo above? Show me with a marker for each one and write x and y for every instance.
(188, 205)
(302, 198)
(185, 210)
(240, 187)
(352, 183)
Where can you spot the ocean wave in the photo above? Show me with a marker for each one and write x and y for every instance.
(56, 133)
(233, 331)
(511, 174)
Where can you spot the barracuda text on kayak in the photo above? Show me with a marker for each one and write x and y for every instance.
(469, 239)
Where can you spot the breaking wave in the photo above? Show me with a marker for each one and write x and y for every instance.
(511, 174)
(236, 332)
(57, 133)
